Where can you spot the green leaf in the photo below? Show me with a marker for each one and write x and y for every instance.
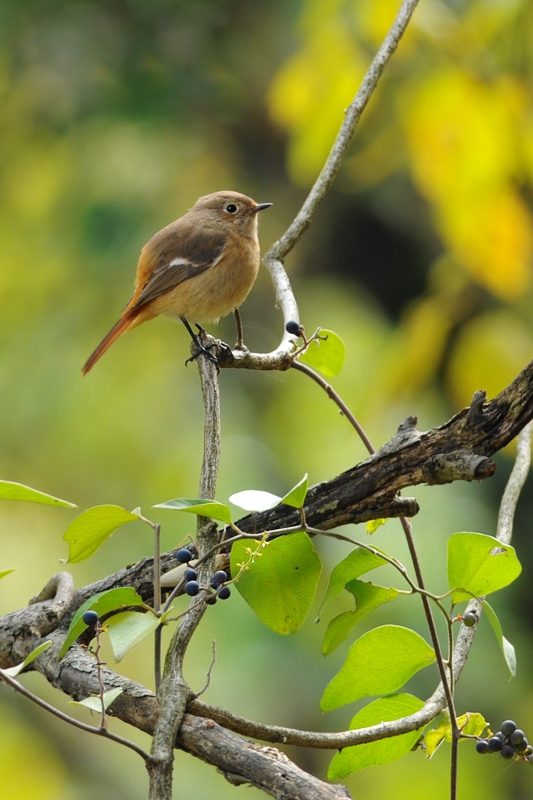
(14, 671)
(281, 583)
(356, 563)
(17, 491)
(470, 723)
(103, 603)
(205, 508)
(385, 709)
(255, 500)
(128, 629)
(373, 524)
(379, 662)
(326, 354)
(94, 703)
(296, 496)
(479, 565)
(6, 572)
(506, 647)
(367, 598)
(89, 530)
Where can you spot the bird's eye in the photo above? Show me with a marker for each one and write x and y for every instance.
(231, 209)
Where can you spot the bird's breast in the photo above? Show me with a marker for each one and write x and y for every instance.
(217, 291)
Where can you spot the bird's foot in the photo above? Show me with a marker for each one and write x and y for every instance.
(203, 350)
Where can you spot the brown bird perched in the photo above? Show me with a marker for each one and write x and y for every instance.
(198, 268)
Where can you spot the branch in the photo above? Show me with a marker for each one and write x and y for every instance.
(281, 357)
(174, 692)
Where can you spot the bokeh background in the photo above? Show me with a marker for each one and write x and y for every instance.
(115, 115)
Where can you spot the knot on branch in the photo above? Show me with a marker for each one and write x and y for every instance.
(406, 435)
(461, 465)
(475, 412)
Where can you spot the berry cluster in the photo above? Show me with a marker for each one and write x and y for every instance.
(217, 591)
(509, 742)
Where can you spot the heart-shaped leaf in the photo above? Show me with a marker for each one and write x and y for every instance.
(102, 603)
(356, 563)
(379, 662)
(296, 496)
(255, 500)
(281, 582)
(479, 565)
(506, 647)
(205, 508)
(128, 629)
(385, 709)
(94, 703)
(17, 491)
(88, 531)
(367, 598)
(14, 671)
(326, 354)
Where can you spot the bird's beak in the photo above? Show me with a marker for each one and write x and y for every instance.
(260, 207)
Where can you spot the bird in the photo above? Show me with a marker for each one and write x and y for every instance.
(199, 268)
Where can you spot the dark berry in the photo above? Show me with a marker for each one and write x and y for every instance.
(192, 588)
(522, 746)
(90, 618)
(211, 599)
(218, 578)
(469, 619)
(482, 746)
(508, 727)
(507, 751)
(190, 574)
(183, 555)
(516, 736)
(495, 744)
(293, 327)
(501, 736)
(224, 592)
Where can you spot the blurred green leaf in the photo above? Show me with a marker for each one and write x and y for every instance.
(14, 671)
(385, 709)
(326, 354)
(296, 496)
(356, 563)
(128, 629)
(255, 500)
(94, 702)
(479, 564)
(17, 491)
(367, 598)
(506, 647)
(102, 603)
(379, 662)
(6, 572)
(373, 524)
(471, 723)
(281, 583)
(205, 508)
(89, 530)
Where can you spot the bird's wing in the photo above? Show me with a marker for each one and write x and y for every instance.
(183, 258)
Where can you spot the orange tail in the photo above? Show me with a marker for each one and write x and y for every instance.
(124, 324)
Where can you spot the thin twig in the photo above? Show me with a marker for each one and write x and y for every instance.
(157, 605)
(336, 399)
(100, 731)
(209, 671)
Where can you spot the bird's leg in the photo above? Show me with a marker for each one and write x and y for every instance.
(201, 350)
(240, 340)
